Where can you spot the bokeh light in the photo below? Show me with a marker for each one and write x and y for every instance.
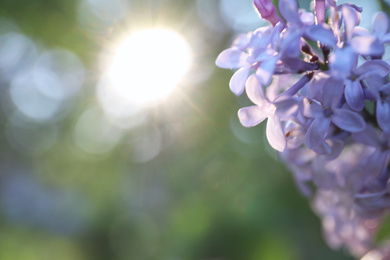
(148, 65)
(94, 134)
(17, 53)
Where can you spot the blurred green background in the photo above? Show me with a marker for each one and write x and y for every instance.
(180, 179)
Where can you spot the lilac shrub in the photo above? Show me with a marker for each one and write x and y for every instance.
(331, 125)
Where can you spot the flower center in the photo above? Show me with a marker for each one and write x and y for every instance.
(328, 112)
(383, 96)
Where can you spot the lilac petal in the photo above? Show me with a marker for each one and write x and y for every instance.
(289, 10)
(376, 67)
(251, 116)
(343, 61)
(275, 35)
(376, 162)
(351, 18)
(354, 7)
(295, 135)
(373, 201)
(254, 90)
(380, 25)
(242, 41)
(320, 10)
(348, 120)
(317, 131)
(294, 88)
(385, 38)
(383, 115)
(360, 31)
(374, 85)
(322, 149)
(369, 136)
(371, 94)
(316, 85)
(336, 149)
(290, 46)
(260, 38)
(322, 33)
(237, 82)
(261, 54)
(354, 95)
(287, 108)
(333, 92)
(367, 45)
(266, 70)
(275, 134)
(232, 58)
(311, 108)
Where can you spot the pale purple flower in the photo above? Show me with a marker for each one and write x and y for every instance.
(266, 56)
(344, 19)
(236, 57)
(327, 111)
(343, 62)
(371, 137)
(366, 43)
(264, 108)
(354, 93)
(295, 132)
(297, 28)
(380, 92)
(265, 53)
(254, 51)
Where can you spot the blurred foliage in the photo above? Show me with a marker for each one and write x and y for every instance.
(214, 191)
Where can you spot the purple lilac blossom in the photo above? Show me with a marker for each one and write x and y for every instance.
(274, 111)
(320, 81)
(343, 63)
(327, 111)
(368, 44)
(255, 51)
(379, 91)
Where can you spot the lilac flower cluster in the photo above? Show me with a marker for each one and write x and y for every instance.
(320, 81)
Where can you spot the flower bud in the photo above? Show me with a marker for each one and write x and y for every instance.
(265, 7)
(267, 11)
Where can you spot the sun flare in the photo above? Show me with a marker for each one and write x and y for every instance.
(148, 65)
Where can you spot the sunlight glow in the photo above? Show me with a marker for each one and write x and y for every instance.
(148, 65)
